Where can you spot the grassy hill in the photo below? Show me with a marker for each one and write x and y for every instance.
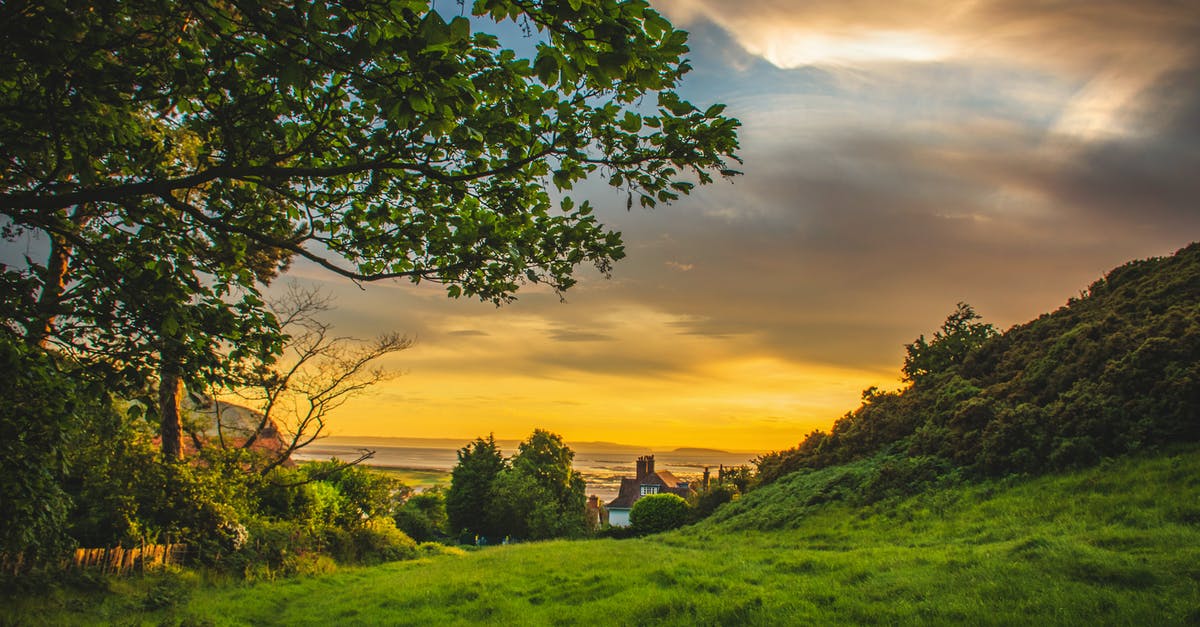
(1118, 543)
(1114, 371)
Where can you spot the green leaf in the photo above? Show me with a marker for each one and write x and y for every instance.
(546, 67)
(460, 29)
(632, 122)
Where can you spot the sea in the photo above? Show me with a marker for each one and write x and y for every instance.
(602, 464)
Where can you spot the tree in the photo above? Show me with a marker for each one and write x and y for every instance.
(423, 515)
(960, 334)
(372, 138)
(471, 480)
(540, 495)
(319, 373)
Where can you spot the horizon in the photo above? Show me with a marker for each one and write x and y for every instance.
(577, 445)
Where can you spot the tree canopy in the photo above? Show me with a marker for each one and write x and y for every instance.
(373, 138)
(533, 496)
(175, 156)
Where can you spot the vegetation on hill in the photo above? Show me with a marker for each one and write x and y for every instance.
(1114, 371)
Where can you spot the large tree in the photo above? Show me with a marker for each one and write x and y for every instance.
(471, 487)
(540, 495)
(373, 138)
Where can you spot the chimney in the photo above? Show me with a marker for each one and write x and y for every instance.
(645, 466)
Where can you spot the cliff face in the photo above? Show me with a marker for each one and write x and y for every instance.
(212, 421)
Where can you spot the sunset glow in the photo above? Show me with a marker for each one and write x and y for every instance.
(900, 157)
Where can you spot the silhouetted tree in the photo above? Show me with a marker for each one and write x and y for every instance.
(960, 334)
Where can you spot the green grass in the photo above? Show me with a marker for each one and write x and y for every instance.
(419, 478)
(1117, 544)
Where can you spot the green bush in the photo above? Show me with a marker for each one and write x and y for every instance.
(39, 405)
(378, 540)
(659, 512)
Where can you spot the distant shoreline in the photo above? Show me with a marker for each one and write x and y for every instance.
(511, 443)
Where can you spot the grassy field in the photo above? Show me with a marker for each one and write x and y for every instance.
(1116, 544)
(418, 478)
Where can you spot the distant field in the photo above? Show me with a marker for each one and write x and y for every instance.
(420, 478)
(1117, 544)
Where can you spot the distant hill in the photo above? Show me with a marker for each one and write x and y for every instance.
(593, 447)
(699, 451)
(1113, 371)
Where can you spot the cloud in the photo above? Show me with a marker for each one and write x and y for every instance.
(468, 333)
(571, 335)
(1112, 54)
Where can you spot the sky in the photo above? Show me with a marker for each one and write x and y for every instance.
(900, 156)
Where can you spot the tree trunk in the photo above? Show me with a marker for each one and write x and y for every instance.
(54, 283)
(170, 393)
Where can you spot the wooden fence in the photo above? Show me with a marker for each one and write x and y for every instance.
(118, 560)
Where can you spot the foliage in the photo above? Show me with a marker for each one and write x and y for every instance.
(1113, 544)
(1114, 371)
(959, 336)
(536, 495)
(470, 493)
(541, 496)
(706, 500)
(423, 515)
(38, 405)
(654, 513)
(376, 540)
(176, 156)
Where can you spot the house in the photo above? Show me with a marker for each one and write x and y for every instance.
(647, 481)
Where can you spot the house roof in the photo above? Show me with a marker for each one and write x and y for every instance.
(631, 488)
(664, 478)
(627, 495)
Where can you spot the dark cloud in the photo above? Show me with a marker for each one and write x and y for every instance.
(570, 335)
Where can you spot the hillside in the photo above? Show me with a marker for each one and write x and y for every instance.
(1114, 544)
(1114, 371)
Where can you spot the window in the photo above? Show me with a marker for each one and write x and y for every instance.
(649, 489)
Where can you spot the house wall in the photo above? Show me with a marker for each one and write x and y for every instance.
(618, 517)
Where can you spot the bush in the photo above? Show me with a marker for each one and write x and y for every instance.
(659, 512)
(380, 541)
(39, 406)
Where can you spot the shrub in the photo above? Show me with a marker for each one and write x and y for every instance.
(380, 541)
(706, 501)
(659, 512)
(39, 405)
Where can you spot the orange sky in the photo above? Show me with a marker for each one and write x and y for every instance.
(900, 158)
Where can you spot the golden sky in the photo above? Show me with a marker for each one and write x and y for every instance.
(901, 156)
